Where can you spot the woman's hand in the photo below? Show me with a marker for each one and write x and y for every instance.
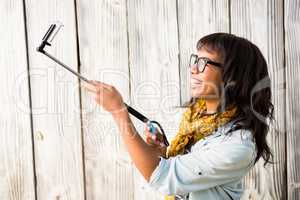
(156, 141)
(106, 96)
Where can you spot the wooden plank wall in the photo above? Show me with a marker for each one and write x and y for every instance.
(292, 77)
(16, 154)
(103, 47)
(154, 73)
(55, 104)
(56, 143)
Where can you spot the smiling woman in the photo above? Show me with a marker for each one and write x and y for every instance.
(223, 130)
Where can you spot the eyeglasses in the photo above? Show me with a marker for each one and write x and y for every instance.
(201, 62)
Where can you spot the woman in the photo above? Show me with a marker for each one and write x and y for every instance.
(223, 130)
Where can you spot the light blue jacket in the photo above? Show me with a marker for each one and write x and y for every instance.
(213, 169)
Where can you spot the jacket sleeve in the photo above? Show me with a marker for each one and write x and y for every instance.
(203, 169)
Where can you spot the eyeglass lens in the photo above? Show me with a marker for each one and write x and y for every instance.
(200, 62)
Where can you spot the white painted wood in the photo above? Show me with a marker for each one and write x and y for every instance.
(141, 47)
(16, 154)
(262, 23)
(292, 52)
(153, 53)
(104, 57)
(55, 102)
(195, 20)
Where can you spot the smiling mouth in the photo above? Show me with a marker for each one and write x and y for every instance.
(196, 82)
(194, 85)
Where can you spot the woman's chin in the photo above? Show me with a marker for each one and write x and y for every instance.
(196, 92)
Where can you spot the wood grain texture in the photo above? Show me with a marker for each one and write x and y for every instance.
(142, 48)
(262, 23)
(195, 20)
(104, 57)
(55, 102)
(16, 155)
(292, 52)
(153, 54)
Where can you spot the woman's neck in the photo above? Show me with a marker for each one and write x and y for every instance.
(212, 105)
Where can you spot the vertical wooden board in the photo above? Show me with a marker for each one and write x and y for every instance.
(104, 56)
(195, 20)
(55, 103)
(153, 54)
(262, 23)
(16, 155)
(292, 52)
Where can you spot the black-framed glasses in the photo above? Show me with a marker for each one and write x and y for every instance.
(201, 62)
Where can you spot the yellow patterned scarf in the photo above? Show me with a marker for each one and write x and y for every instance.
(195, 125)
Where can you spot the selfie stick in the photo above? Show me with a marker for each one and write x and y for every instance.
(46, 41)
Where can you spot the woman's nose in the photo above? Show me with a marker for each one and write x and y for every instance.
(194, 69)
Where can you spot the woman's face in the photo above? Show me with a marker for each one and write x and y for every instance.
(206, 84)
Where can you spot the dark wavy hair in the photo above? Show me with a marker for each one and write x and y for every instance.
(246, 84)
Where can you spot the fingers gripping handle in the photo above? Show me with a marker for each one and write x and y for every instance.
(152, 128)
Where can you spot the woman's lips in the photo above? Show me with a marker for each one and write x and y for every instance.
(196, 83)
